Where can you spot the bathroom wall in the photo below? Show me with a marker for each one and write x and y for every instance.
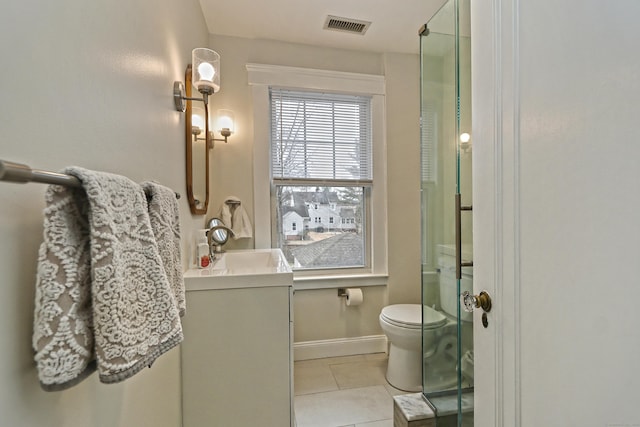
(87, 84)
(402, 74)
(320, 314)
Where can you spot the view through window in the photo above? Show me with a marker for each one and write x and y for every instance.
(321, 227)
(321, 169)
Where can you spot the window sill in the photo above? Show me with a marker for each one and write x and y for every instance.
(302, 283)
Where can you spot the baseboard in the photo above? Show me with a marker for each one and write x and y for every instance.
(306, 350)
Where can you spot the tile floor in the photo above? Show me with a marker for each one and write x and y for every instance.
(348, 391)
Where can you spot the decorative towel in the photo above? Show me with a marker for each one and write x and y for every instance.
(102, 295)
(165, 223)
(235, 217)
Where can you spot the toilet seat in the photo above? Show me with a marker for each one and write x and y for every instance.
(410, 316)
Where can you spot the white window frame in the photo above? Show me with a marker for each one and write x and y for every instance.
(260, 78)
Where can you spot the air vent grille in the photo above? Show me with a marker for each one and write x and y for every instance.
(348, 25)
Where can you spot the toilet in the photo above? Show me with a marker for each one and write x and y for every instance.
(402, 324)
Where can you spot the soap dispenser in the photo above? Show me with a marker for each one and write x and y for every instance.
(203, 258)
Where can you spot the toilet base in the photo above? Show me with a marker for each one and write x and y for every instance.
(404, 369)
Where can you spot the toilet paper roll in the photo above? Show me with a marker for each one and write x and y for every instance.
(354, 296)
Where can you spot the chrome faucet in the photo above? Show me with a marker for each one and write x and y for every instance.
(216, 237)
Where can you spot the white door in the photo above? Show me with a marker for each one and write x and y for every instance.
(556, 112)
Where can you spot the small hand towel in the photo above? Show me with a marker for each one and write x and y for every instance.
(102, 295)
(235, 217)
(165, 223)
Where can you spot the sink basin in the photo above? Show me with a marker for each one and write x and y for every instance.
(241, 261)
(252, 268)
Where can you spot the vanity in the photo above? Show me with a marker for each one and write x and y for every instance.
(237, 354)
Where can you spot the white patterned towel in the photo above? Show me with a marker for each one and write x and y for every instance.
(102, 295)
(165, 222)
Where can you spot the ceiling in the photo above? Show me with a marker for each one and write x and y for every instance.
(394, 23)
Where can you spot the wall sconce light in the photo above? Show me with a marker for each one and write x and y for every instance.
(205, 75)
(465, 141)
(198, 123)
(225, 124)
(204, 72)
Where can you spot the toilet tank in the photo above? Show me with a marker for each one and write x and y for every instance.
(449, 300)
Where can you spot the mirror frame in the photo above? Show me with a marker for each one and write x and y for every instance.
(195, 210)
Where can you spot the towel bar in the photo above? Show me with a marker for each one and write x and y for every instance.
(17, 172)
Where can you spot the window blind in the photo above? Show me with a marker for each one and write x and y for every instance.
(320, 137)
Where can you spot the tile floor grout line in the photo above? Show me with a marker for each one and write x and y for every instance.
(333, 375)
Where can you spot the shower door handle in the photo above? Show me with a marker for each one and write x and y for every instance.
(459, 264)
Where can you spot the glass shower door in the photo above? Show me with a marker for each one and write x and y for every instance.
(445, 53)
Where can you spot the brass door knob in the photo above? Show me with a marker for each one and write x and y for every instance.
(471, 302)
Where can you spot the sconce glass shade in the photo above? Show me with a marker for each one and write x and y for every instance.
(465, 141)
(197, 118)
(225, 123)
(205, 70)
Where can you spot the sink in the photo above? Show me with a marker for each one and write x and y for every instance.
(241, 261)
(251, 268)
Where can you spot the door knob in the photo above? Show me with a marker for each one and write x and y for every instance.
(471, 302)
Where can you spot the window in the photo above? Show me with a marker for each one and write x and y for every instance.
(352, 189)
(294, 226)
(321, 155)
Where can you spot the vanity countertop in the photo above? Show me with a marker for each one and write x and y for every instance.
(252, 268)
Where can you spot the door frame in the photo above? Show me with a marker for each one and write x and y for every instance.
(496, 209)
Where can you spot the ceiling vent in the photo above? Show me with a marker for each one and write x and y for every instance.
(347, 25)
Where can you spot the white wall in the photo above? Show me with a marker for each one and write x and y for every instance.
(87, 84)
(320, 314)
(402, 74)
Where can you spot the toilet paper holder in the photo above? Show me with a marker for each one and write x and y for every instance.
(352, 296)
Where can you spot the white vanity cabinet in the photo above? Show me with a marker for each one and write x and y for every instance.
(236, 356)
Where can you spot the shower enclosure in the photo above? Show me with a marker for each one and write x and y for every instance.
(446, 145)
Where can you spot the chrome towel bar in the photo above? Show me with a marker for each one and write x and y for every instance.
(19, 173)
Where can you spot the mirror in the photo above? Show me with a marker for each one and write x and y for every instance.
(219, 236)
(197, 157)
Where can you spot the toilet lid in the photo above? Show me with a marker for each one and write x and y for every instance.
(410, 316)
